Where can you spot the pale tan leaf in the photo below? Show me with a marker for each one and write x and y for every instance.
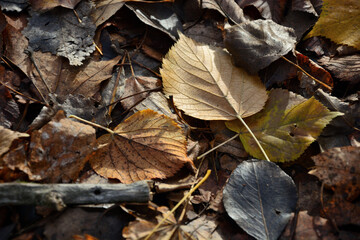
(205, 84)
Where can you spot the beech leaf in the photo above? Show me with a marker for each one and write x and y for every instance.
(204, 83)
(339, 21)
(147, 145)
(260, 197)
(286, 126)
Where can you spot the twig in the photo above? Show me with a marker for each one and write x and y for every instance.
(60, 195)
(301, 69)
(221, 144)
(178, 205)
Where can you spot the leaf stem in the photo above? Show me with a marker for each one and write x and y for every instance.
(92, 124)
(301, 69)
(254, 137)
(221, 144)
(178, 205)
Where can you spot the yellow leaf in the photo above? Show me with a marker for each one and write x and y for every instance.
(339, 21)
(286, 126)
(147, 145)
(205, 84)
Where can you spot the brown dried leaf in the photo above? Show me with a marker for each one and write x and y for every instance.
(7, 136)
(205, 84)
(339, 168)
(147, 145)
(57, 152)
(40, 5)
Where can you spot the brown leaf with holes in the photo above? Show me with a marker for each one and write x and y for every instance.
(147, 145)
(339, 168)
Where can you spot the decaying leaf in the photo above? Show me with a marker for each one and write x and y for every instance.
(227, 8)
(204, 83)
(40, 5)
(255, 45)
(62, 79)
(7, 136)
(9, 109)
(104, 9)
(57, 152)
(269, 9)
(285, 127)
(59, 31)
(147, 145)
(339, 168)
(158, 15)
(339, 21)
(14, 5)
(260, 197)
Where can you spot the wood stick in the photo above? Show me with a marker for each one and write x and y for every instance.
(60, 195)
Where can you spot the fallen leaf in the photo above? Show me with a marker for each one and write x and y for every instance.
(310, 228)
(345, 68)
(285, 127)
(342, 212)
(14, 5)
(314, 70)
(57, 152)
(9, 109)
(135, 85)
(260, 197)
(104, 9)
(228, 8)
(59, 31)
(269, 9)
(40, 5)
(158, 15)
(7, 136)
(204, 83)
(147, 145)
(339, 21)
(61, 78)
(339, 168)
(255, 45)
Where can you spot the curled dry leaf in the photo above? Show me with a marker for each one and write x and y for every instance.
(7, 136)
(286, 126)
(147, 145)
(205, 84)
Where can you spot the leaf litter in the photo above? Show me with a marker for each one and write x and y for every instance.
(204, 84)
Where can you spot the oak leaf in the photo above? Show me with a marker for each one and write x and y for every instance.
(286, 126)
(339, 21)
(204, 83)
(147, 145)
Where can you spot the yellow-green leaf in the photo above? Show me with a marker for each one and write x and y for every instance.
(339, 21)
(286, 126)
(205, 84)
